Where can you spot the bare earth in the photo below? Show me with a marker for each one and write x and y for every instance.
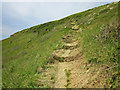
(83, 74)
(80, 77)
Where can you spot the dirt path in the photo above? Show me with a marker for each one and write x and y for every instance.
(67, 54)
(82, 73)
(61, 77)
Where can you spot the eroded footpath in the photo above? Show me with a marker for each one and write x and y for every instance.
(81, 73)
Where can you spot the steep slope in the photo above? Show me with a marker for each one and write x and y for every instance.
(25, 51)
(75, 72)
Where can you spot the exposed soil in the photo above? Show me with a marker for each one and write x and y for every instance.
(83, 74)
(61, 77)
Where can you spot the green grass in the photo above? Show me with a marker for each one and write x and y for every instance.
(100, 41)
(67, 73)
(25, 51)
(22, 57)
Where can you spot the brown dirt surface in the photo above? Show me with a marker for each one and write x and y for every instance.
(72, 45)
(66, 55)
(83, 75)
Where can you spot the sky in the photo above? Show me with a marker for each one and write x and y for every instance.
(17, 16)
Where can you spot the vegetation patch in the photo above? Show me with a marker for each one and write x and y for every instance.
(67, 73)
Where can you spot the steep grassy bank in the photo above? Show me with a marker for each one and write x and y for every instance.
(31, 48)
(100, 40)
(23, 53)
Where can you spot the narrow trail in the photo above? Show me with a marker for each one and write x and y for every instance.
(82, 73)
(68, 54)
(61, 77)
(61, 80)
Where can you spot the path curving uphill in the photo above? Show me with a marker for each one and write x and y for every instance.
(81, 74)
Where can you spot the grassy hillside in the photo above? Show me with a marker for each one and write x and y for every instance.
(25, 51)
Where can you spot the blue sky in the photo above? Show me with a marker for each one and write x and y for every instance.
(17, 16)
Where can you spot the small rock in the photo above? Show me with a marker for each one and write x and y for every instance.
(40, 84)
(107, 5)
(111, 8)
(76, 27)
(72, 23)
(39, 70)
